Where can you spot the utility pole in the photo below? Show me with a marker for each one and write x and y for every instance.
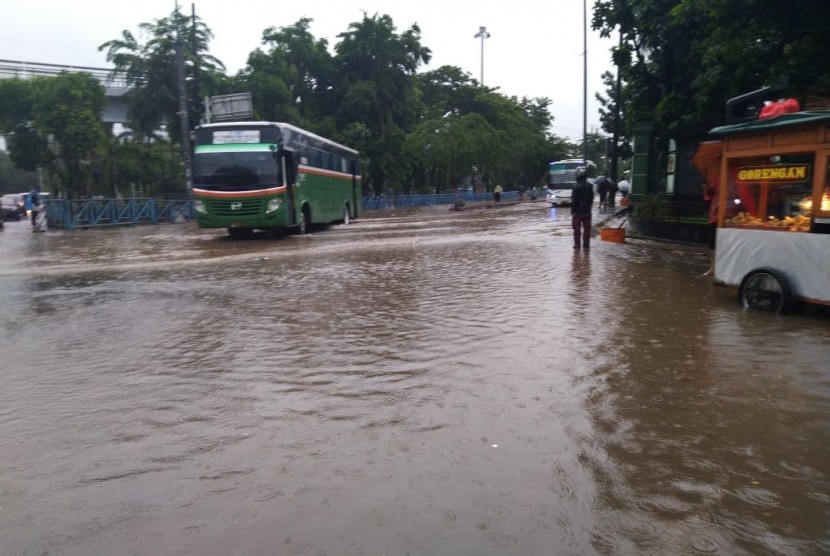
(482, 34)
(185, 124)
(617, 108)
(195, 93)
(585, 83)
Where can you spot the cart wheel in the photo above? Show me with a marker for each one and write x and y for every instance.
(766, 289)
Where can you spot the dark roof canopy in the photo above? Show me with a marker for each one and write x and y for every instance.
(784, 120)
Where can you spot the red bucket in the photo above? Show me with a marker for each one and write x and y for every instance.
(616, 235)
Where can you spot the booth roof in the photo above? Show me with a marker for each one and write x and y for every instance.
(784, 120)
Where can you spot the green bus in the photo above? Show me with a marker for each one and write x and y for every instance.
(272, 176)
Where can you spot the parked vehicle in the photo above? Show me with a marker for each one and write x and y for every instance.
(13, 206)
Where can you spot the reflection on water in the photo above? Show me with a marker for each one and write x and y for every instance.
(425, 383)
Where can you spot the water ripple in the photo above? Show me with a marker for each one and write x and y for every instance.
(467, 375)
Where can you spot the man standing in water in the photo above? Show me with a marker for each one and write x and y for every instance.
(582, 199)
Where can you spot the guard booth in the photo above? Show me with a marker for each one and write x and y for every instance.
(773, 229)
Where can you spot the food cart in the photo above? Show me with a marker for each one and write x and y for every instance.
(773, 212)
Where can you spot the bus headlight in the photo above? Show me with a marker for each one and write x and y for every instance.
(199, 206)
(273, 205)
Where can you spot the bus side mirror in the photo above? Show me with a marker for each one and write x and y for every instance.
(276, 149)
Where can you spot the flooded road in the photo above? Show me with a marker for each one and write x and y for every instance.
(424, 383)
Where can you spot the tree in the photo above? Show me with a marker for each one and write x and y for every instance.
(143, 167)
(292, 79)
(446, 150)
(599, 150)
(525, 144)
(67, 111)
(609, 104)
(54, 123)
(375, 69)
(447, 89)
(681, 61)
(151, 72)
(27, 148)
(310, 67)
(12, 178)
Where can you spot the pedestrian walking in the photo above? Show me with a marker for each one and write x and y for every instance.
(33, 205)
(582, 201)
(602, 190)
(497, 193)
(625, 185)
(611, 195)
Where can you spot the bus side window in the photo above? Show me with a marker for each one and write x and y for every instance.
(314, 157)
(326, 160)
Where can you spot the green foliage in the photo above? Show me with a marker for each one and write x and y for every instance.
(291, 80)
(375, 83)
(150, 69)
(416, 131)
(607, 113)
(26, 148)
(147, 168)
(517, 130)
(598, 151)
(682, 60)
(54, 123)
(446, 150)
(12, 178)
(67, 111)
(15, 103)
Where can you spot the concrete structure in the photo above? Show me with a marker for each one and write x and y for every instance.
(116, 108)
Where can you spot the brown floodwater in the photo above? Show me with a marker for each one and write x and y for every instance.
(425, 383)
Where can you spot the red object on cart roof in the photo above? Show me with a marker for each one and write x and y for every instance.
(774, 109)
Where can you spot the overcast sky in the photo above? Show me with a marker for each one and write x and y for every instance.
(535, 48)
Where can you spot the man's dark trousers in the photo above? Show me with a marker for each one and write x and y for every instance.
(581, 223)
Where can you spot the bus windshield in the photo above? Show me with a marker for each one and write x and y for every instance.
(234, 170)
(562, 174)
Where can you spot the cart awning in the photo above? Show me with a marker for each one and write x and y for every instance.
(707, 160)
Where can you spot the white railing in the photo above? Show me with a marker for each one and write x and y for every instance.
(16, 68)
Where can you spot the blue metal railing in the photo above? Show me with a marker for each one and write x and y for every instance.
(93, 213)
(403, 201)
(69, 214)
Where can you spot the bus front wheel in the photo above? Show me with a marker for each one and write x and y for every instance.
(766, 289)
(302, 227)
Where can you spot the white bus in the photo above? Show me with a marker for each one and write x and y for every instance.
(562, 179)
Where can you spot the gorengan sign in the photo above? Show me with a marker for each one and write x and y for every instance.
(791, 172)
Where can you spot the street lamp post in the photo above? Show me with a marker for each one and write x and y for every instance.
(585, 82)
(482, 34)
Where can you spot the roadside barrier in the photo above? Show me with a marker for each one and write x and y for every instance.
(381, 202)
(69, 214)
